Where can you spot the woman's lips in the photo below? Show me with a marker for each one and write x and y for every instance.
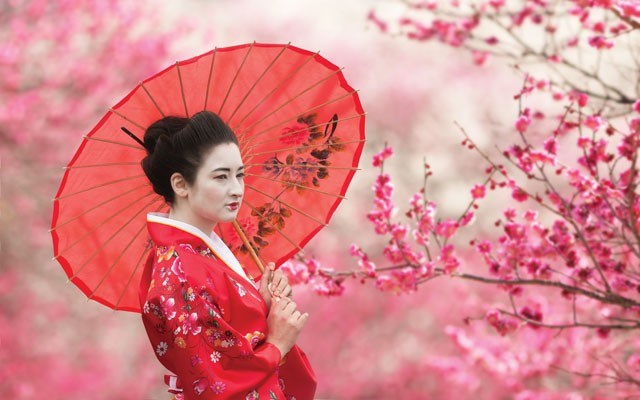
(233, 206)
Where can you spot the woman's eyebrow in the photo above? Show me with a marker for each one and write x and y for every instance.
(240, 168)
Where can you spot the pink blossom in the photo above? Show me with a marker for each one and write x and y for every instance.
(400, 281)
(355, 250)
(593, 122)
(537, 157)
(600, 42)
(399, 231)
(484, 247)
(581, 98)
(501, 324)
(381, 156)
(448, 258)
(447, 228)
(478, 191)
(636, 106)
(530, 215)
(519, 195)
(296, 272)
(312, 266)
(531, 314)
(467, 218)
(328, 287)
(497, 4)
(492, 40)
(480, 57)
(550, 145)
(584, 142)
(510, 213)
(522, 123)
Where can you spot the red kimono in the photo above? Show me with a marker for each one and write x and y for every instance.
(207, 322)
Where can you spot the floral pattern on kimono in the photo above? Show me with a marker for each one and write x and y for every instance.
(207, 324)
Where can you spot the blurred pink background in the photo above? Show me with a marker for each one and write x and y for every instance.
(62, 64)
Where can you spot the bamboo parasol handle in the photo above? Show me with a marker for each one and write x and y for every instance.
(248, 245)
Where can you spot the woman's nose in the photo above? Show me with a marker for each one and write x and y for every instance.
(237, 189)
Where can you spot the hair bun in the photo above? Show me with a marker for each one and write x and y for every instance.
(166, 127)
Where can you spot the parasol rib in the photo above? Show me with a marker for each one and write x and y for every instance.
(213, 59)
(248, 245)
(297, 96)
(97, 206)
(288, 205)
(124, 117)
(265, 219)
(115, 142)
(256, 83)
(135, 269)
(112, 266)
(282, 83)
(285, 183)
(152, 100)
(224, 102)
(101, 165)
(116, 233)
(99, 186)
(95, 228)
(306, 166)
(302, 147)
(291, 133)
(184, 100)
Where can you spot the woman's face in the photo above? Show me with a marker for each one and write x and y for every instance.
(216, 194)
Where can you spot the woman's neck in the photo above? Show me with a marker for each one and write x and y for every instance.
(179, 215)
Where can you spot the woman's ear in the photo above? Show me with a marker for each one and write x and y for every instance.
(179, 185)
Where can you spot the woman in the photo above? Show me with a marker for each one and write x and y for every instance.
(207, 321)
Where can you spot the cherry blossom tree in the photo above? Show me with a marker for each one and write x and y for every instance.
(560, 264)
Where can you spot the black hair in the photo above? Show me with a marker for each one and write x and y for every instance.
(178, 144)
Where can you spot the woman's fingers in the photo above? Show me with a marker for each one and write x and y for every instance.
(275, 281)
(266, 276)
(280, 304)
(290, 308)
(280, 284)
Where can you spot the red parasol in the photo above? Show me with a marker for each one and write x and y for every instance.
(301, 132)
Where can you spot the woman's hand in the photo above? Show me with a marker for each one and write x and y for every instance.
(274, 284)
(285, 323)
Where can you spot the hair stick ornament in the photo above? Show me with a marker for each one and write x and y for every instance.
(132, 136)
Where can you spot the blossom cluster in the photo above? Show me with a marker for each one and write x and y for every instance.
(570, 232)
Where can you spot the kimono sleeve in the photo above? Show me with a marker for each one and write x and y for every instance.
(186, 327)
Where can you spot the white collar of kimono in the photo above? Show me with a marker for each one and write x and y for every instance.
(212, 241)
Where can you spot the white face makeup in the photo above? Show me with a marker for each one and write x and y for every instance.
(216, 194)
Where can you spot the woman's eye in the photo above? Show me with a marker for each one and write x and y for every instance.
(220, 177)
(240, 175)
